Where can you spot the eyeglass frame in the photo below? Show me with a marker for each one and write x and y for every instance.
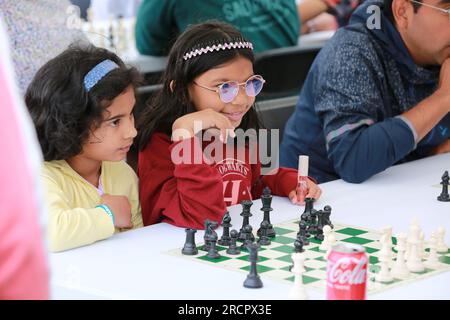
(447, 11)
(218, 87)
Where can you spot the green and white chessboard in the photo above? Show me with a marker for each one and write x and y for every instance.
(275, 259)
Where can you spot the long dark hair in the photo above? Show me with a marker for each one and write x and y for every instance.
(168, 105)
(63, 111)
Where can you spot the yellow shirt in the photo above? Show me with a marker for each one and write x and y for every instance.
(71, 200)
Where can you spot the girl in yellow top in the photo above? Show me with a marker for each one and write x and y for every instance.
(81, 103)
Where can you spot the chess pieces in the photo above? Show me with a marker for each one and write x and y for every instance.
(225, 239)
(324, 217)
(432, 261)
(246, 214)
(444, 196)
(309, 206)
(212, 240)
(266, 200)
(264, 239)
(441, 246)
(414, 224)
(233, 249)
(253, 280)
(387, 237)
(384, 275)
(248, 237)
(400, 270)
(209, 230)
(414, 262)
(189, 247)
(303, 233)
(298, 291)
(298, 245)
(329, 239)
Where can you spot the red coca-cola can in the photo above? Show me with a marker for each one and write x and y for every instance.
(347, 272)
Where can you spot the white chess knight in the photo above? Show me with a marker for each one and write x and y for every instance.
(414, 261)
(385, 258)
(298, 291)
(400, 270)
(329, 238)
(441, 246)
(433, 260)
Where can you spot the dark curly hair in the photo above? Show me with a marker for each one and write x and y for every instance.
(167, 106)
(62, 110)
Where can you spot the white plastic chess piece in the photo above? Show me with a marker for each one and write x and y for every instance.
(433, 260)
(441, 246)
(421, 245)
(414, 223)
(400, 270)
(387, 232)
(414, 262)
(325, 245)
(385, 258)
(386, 245)
(298, 291)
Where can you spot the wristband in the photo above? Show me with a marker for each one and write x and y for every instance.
(108, 211)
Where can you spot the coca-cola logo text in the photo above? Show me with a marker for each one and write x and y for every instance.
(348, 270)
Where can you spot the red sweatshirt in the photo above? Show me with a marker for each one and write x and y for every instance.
(185, 195)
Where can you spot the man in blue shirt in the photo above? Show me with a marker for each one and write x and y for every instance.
(375, 97)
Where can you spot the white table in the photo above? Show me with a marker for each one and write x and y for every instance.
(134, 265)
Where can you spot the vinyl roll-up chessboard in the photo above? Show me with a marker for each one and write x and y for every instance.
(275, 259)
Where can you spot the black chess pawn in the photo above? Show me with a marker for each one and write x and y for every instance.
(264, 240)
(444, 196)
(233, 249)
(298, 248)
(298, 245)
(212, 252)
(266, 200)
(225, 239)
(253, 281)
(249, 238)
(190, 248)
(303, 233)
(246, 214)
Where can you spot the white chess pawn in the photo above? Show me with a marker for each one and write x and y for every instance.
(433, 260)
(298, 291)
(386, 247)
(441, 246)
(414, 262)
(387, 232)
(421, 245)
(385, 258)
(400, 270)
(414, 223)
(325, 245)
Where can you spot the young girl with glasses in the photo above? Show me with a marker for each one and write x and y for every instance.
(209, 85)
